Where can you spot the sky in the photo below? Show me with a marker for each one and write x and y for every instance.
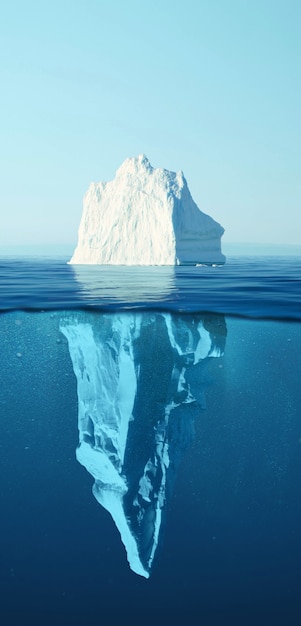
(209, 87)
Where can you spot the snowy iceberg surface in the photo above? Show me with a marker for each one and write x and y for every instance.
(140, 387)
(145, 216)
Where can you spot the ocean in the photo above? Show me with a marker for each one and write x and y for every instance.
(230, 548)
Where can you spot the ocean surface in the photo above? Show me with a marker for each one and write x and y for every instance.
(230, 553)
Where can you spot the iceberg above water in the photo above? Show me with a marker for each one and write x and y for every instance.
(145, 216)
(140, 386)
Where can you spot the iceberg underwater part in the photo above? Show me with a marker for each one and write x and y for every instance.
(136, 411)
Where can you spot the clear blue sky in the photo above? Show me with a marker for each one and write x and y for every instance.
(211, 87)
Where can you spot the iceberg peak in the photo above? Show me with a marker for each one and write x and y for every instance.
(145, 216)
(139, 162)
(133, 166)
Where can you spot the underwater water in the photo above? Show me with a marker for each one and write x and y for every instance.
(186, 391)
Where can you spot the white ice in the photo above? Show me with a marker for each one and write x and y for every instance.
(145, 216)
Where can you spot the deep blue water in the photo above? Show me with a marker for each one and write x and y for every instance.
(232, 546)
(247, 286)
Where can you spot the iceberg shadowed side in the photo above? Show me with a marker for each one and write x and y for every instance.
(140, 386)
(145, 216)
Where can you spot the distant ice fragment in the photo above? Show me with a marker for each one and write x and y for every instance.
(145, 216)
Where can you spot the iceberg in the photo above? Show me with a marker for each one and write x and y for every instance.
(145, 216)
(140, 386)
